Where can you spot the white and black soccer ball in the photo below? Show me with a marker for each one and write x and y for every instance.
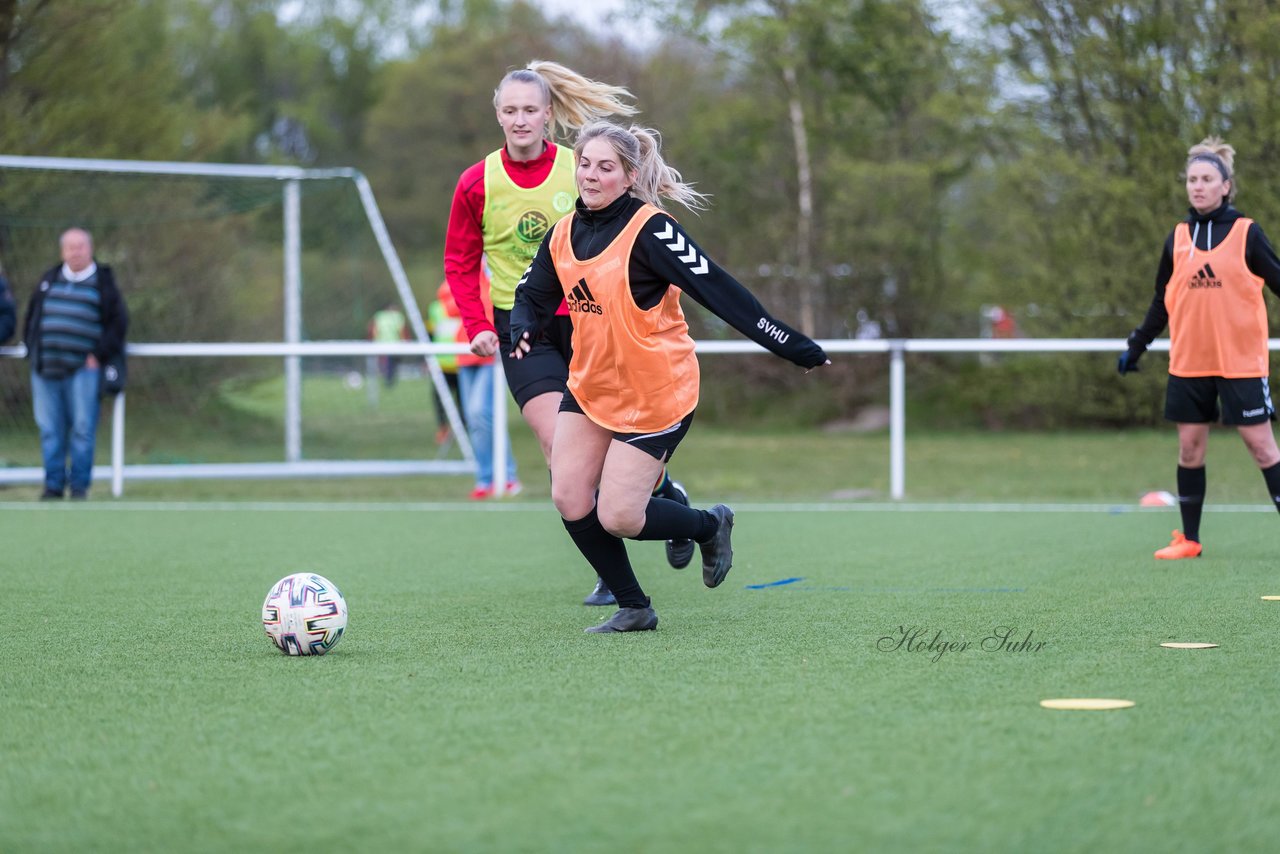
(304, 614)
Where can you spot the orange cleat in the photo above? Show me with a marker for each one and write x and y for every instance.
(480, 493)
(1178, 549)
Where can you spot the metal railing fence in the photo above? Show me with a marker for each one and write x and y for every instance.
(896, 349)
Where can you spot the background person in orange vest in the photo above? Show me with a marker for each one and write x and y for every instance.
(475, 387)
(621, 263)
(503, 206)
(443, 329)
(1209, 294)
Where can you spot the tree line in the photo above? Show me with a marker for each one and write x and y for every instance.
(912, 160)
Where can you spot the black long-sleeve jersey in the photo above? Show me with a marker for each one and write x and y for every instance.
(8, 312)
(663, 255)
(1208, 230)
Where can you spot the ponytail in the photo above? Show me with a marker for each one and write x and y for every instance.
(575, 100)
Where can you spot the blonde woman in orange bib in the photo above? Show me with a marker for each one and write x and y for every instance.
(621, 263)
(1209, 293)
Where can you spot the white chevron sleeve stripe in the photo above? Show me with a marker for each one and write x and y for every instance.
(697, 263)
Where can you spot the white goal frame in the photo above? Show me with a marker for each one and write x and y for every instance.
(290, 178)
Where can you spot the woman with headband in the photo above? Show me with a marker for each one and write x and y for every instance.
(1209, 294)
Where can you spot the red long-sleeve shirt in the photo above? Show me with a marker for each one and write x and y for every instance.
(464, 240)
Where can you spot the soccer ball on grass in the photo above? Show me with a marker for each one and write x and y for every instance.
(304, 614)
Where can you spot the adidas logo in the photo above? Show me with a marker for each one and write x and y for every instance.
(1205, 278)
(581, 300)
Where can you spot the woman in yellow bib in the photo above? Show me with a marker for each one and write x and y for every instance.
(620, 264)
(1209, 293)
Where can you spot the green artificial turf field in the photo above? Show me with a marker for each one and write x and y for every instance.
(142, 708)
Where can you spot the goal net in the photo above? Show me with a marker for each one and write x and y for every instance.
(224, 256)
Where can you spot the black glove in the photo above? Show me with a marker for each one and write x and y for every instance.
(519, 334)
(1128, 360)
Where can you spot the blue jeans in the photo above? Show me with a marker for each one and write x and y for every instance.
(475, 387)
(66, 412)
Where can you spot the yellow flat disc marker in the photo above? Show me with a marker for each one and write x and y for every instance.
(1086, 704)
(1189, 645)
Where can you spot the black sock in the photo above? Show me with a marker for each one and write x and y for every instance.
(1272, 477)
(607, 555)
(664, 489)
(1191, 484)
(670, 520)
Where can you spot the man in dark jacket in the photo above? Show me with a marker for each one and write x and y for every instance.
(8, 315)
(76, 323)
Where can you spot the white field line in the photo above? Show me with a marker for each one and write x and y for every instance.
(125, 506)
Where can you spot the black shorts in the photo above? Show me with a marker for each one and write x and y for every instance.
(1194, 400)
(545, 368)
(660, 445)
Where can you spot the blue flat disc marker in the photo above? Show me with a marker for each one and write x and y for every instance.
(778, 583)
